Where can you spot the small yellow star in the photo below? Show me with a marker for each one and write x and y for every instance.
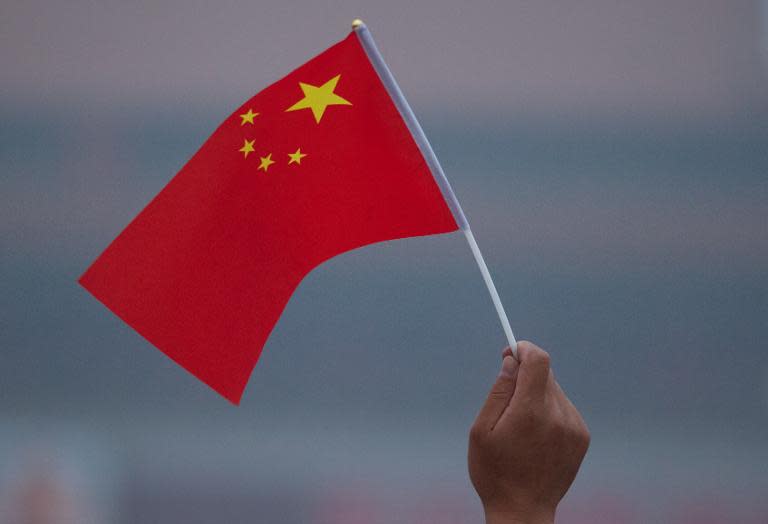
(295, 158)
(317, 98)
(266, 161)
(248, 117)
(247, 147)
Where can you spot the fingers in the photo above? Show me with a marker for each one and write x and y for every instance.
(534, 370)
(499, 396)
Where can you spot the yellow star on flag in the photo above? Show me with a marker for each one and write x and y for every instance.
(317, 98)
(247, 147)
(248, 117)
(295, 158)
(266, 161)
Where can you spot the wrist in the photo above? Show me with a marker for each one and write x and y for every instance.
(538, 516)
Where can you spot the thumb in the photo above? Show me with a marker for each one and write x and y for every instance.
(499, 396)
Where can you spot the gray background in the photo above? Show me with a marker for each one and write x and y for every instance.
(612, 158)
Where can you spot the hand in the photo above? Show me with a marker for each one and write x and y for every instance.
(527, 442)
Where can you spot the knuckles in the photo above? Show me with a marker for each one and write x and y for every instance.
(559, 430)
(541, 358)
(583, 436)
(574, 434)
(533, 353)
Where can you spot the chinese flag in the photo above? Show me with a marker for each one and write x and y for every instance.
(318, 163)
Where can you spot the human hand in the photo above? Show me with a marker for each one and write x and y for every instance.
(527, 442)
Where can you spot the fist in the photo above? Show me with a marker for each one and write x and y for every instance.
(527, 443)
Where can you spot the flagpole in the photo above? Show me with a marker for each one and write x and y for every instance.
(378, 63)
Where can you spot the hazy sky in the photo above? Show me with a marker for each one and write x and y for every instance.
(688, 57)
(88, 74)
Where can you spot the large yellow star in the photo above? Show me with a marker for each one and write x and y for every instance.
(295, 158)
(266, 161)
(318, 98)
(247, 147)
(248, 117)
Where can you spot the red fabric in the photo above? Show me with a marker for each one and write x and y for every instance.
(205, 270)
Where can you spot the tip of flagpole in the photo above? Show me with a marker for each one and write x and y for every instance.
(357, 23)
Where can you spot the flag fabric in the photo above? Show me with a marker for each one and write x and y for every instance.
(318, 163)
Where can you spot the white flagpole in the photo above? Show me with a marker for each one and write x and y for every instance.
(366, 40)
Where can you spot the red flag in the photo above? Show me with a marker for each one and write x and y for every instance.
(317, 164)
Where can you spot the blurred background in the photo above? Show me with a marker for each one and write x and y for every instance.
(612, 157)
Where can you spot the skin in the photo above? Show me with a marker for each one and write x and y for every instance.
(527, 443)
